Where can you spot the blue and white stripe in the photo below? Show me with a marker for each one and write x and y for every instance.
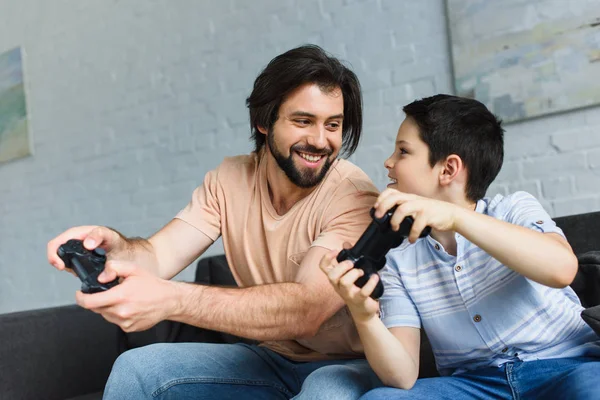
(517, 318)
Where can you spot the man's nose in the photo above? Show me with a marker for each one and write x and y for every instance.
(318, 138)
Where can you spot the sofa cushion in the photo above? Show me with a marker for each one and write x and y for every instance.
(582, 231)
(587, 281)
(55, 353)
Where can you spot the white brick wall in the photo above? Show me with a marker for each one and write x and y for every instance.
(132, 102)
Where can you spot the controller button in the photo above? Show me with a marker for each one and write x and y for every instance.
(99, 252)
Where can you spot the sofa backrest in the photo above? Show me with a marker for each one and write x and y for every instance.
(582, 231)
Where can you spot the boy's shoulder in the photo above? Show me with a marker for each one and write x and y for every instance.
(502, 204)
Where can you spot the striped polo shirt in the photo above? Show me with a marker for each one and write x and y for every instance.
(476, 311)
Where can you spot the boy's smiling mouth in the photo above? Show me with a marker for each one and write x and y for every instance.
(392, 181)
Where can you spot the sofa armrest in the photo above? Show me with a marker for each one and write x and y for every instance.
(55, 353)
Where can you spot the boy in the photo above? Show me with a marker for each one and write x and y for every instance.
(489, 285)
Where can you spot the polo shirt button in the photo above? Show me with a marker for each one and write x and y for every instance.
(437, 246)
(458, 268)
(539, 222)
(477, 318)
(504, 350)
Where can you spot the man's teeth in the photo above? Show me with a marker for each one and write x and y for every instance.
(392, 180)
(309, 157)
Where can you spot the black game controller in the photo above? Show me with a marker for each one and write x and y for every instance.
(86, 264)
(369, 252)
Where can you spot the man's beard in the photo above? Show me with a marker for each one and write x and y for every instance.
(305, 179)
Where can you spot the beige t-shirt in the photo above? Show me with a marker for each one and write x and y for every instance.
(263, 247)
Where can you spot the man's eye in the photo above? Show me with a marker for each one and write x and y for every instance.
(402, 151)
(302, 121)
(334, 125)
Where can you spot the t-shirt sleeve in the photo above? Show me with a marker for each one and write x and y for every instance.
(396, 308)
(203, 211)
(347, 215)
(525, 210)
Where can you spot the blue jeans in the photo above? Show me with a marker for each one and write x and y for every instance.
(563, 378)
(232, 371)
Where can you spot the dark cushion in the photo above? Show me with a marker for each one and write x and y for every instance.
(91, 396)
(582, 231)
(587, 281)
(55, 353)
(592, 317)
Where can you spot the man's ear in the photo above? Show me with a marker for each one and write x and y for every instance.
(452, 167)
(261, 129)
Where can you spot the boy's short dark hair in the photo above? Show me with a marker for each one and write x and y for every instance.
(295, 67)
(465, 127)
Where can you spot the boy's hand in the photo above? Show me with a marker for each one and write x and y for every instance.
(342, 277)
(437, 214)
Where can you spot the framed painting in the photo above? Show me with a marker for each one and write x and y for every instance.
(524, 59)
(14, 130)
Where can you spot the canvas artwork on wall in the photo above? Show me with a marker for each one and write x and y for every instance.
(526, 58)
(14, 131)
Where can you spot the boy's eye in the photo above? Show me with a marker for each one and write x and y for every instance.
(302, 121)
(334, 125)
(402, 151)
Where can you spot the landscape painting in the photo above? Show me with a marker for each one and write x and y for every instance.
(14, 130)
(524, 59)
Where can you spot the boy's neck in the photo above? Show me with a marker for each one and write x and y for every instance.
(448, 239)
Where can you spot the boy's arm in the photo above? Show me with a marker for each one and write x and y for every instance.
(393, 354)
(526, 242)
(546, 258)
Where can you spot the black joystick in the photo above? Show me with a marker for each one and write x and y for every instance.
(369, 251)
(86, 264)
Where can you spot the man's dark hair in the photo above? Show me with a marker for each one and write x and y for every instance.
(295, 67)
(465, 127)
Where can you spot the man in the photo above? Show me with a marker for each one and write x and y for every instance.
(279, 211)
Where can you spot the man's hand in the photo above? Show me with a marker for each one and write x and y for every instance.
(138, 303)
(437, 214)
(342, 277)
(92, 236)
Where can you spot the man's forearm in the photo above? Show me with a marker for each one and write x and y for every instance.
(140, 251)
(267, 312)
(535, 255)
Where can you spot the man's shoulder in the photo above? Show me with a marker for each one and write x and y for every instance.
(348, 176)
(242, 160)
(239, 165)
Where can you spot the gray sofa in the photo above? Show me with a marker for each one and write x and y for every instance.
(67, 352)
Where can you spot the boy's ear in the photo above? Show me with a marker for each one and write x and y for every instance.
(451, 169)
(261, 129)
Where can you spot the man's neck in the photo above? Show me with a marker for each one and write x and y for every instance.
(283, 193)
